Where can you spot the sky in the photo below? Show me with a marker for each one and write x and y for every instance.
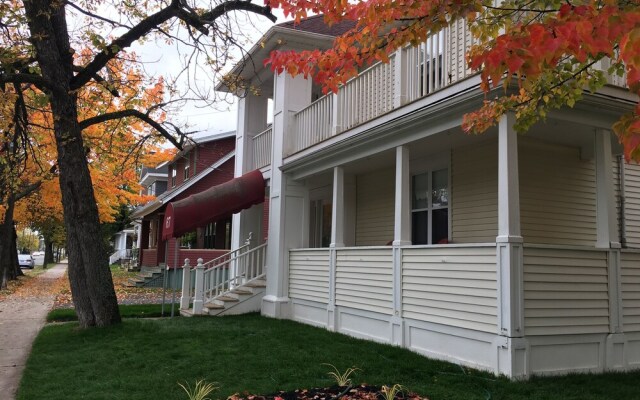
(163, 59)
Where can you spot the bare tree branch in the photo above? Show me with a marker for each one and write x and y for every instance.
(27, 190)
(148, 24)
(100, 80)
(37, 80)
(131, 113)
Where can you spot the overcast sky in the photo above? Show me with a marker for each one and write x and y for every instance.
(163, 59)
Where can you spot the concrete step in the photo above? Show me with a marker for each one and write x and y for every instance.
(227, 298)
(260, 283)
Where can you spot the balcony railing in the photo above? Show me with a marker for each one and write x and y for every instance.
(262, 148)
(412, 73)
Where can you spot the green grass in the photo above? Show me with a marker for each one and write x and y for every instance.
(145, 359)
(126, 311)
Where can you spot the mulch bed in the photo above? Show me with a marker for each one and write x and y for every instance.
(361, 392)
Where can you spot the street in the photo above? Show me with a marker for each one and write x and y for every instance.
(39, 260)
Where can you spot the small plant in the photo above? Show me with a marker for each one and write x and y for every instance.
(342, 379)
(389, 393)
(199, 391)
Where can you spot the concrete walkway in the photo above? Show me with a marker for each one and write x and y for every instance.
(20, 321)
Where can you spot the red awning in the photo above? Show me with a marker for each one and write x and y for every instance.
(213, 204)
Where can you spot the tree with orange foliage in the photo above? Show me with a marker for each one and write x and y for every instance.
(39, 48)
(549, 48)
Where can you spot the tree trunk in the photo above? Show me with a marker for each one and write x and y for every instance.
(14, 254)
(8, 251)
(48, 250)
(89, 275)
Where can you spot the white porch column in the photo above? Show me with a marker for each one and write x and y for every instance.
(511, 347)
(252, 120)
(402, 220)
(607, 238)
(401, 236)
(338, 212)
(607, 235)
(340, 203)
(288, 198)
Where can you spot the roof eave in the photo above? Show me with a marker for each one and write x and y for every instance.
(275, 37)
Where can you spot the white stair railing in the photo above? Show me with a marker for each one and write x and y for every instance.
(220, 275)
(119, 255)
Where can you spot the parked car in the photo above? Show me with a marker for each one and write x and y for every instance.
(26, 261)
(37, 253)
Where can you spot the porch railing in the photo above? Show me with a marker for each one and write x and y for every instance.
(221, 275)
(412, 73)
(119, 255)
(262, 148)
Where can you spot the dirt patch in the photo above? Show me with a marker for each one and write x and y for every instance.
(362, 392)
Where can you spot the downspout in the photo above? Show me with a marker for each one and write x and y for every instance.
(621, 215)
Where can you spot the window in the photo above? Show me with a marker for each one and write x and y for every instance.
(430, 207)
(151, 190)
(153, 233)
(189, 240)
(210, 236)
(320, 224)
(173, 176)
(187, 163)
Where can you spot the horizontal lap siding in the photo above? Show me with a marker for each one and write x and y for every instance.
(375, 200)
(364, 279)
(632, 204)
(565, 291)
(630, 274)
(309, 275)
(474, 194)
(451, 286)
(557, 195)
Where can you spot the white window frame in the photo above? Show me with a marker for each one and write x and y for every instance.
(428, 166)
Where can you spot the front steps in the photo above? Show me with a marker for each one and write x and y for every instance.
(241, 300)
(146, 275)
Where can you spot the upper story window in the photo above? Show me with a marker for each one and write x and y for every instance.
(151, 190)
(187, 164)
(173, 176)
(430, 207)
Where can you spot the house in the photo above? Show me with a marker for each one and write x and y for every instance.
(517, 254)
(153, 182)
(205, 163)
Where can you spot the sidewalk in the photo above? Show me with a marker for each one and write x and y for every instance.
(20, 321)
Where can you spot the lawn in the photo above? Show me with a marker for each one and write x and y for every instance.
(126, 311)
(145, 359)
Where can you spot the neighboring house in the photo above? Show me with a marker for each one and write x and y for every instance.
(123, 245)
(206, 163)
(153, 182)
(518, 254)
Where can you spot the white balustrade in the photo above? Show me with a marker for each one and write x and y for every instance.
(198, 301)
(411, 73)
(262, 148)
(313, 124)
(185, 299)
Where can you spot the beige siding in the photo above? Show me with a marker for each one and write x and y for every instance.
(565, 291)
(309, 274)
(375, 208)
(453, 286)
(630, 274)
(474, 194)
(557, 195)
(632, 204)
(364, 279)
